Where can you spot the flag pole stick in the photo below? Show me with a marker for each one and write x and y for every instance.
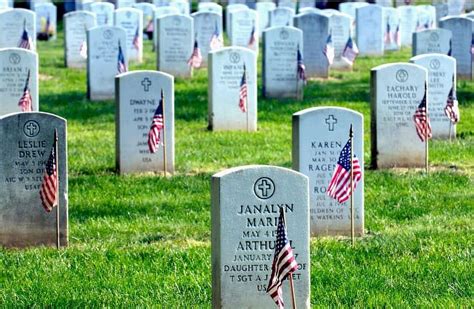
(351, 135)
(450, 129)
(58, 241)
(426, 150)
(292, 286)
(247, 99)
(165, 165)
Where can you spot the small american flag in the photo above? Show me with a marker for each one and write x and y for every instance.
(452, 106)
(196, 58)
(121, 65)
(284, 263)
(252, 39)
(49, 186)
(157, 126)
(216, 39)
(301, 67)
(397, 36)
(422, 121)
(388, 35)
(26, 102)
(329, 49)
(243, 92)
(48, 25)
(25, 40)
(350, 51)
(83, 49)
(136, 39)
(340, 185)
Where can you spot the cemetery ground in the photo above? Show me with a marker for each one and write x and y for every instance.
(144, 240)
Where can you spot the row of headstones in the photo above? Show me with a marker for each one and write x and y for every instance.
(225, 78)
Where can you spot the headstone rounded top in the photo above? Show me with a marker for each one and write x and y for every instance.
(177, 17)
(398, 64)
(79, 13)
(312, 14)
(453, 18)
(32, 115)
(261, 169)
(146, 72)
(204, 13)
(105, 28)
(423, 56)
(15, 11)
(230, 49)
(283, 29)
(18, 50)
(311, 110)
(128, 9)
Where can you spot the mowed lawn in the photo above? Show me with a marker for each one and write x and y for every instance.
(145, 241)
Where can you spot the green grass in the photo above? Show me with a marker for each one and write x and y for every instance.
(145, 241)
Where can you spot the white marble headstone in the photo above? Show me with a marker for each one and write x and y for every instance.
(102, 60)
(210, 7)
(462, 34)
(14, 66)
(370, 31)
(432, 41)
(391, 28)
(263, 9)
(182, 6)
(104, 12)
(408, 23)
(205, 26)
(280, 70)
(175, 44)
(27, 140)
(281, 16)
(340, 25)
(11, 27)
(397, 89)
(244, 29)
(226, 69)
(120, 4)
(315, 29)
(76, 25)
(131, 20)
(455, 7)
(160, 12)
(138, 94)
(245, 205)
(229, 9)
(441, 78)
(319, 135)
(46, 20)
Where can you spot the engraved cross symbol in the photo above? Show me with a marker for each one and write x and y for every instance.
(331, 121)
(31, 127)
(264, 187)
(146, 83)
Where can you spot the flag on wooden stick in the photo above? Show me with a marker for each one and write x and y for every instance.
(301, 70)
(422, 121)
(26, 102)
(340, 185)
(195, 60)
(49, 186)
(216, 39)
(452, 106)
(329, 49)
(25, 40)
(121, 65)
(284, 263)
(136, 39)
(253, 38)
(243, 91)
(157, 126)
(350, 51)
